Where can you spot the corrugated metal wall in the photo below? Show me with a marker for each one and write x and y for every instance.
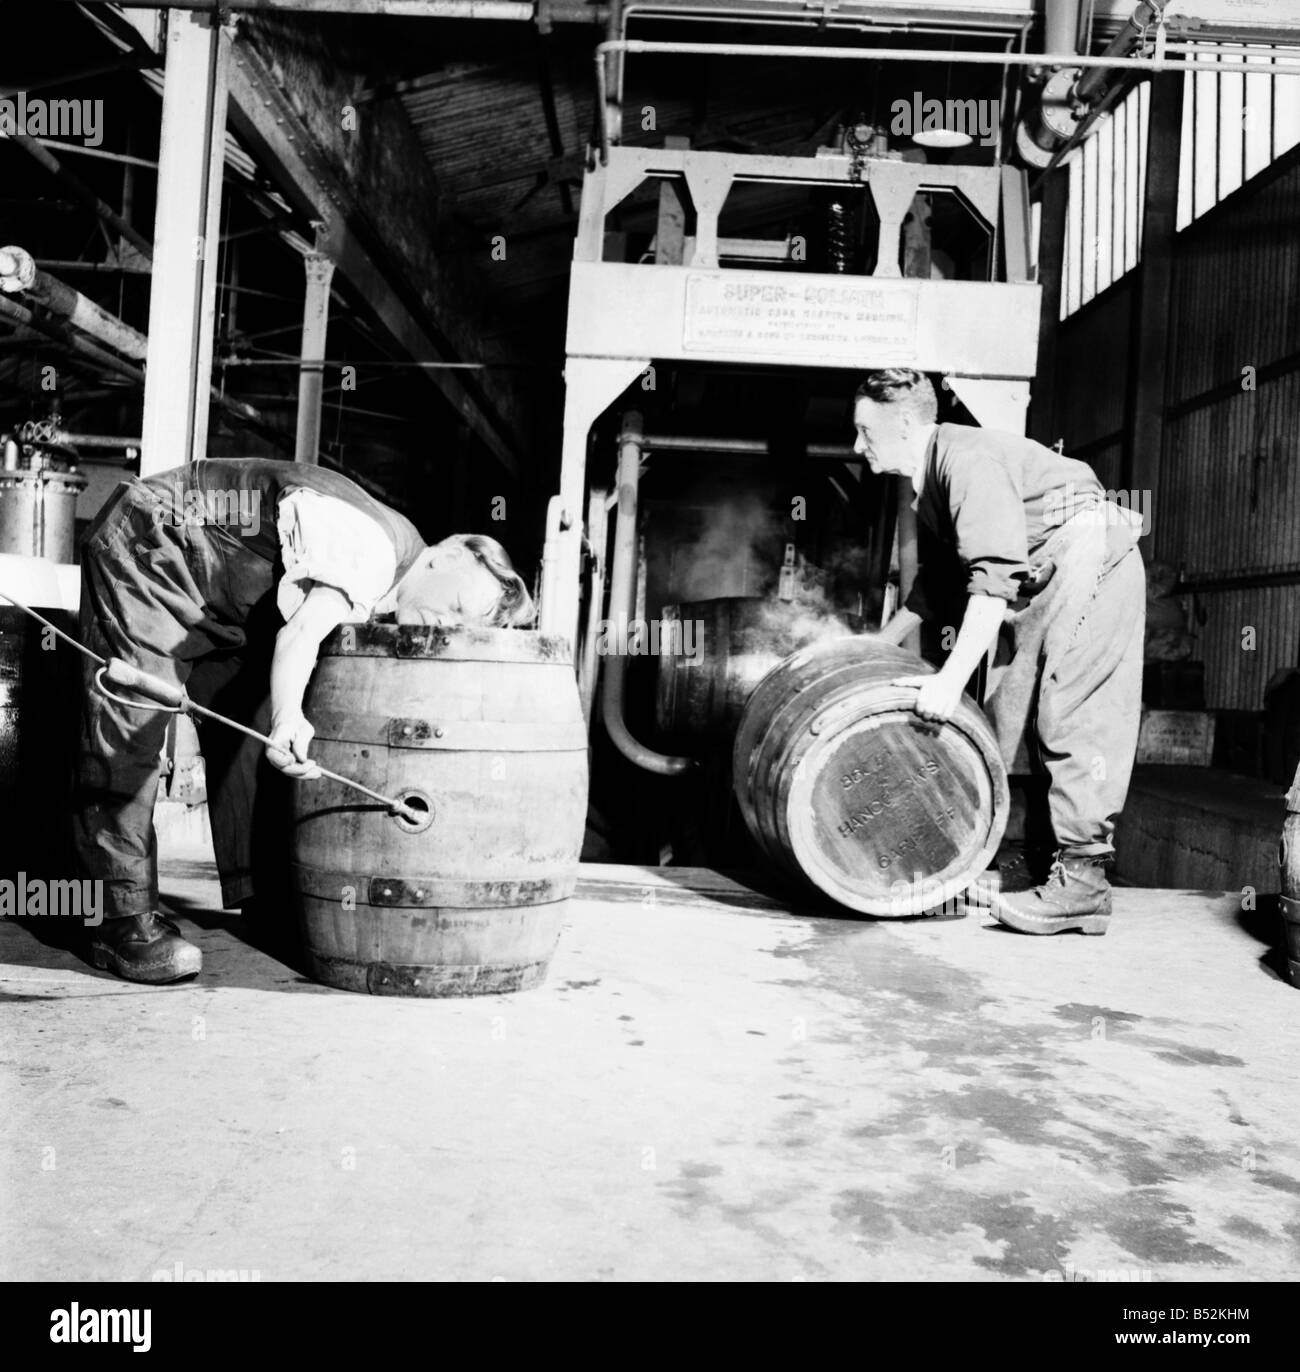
(1229, 504)
(1228, 508)
(1091, 376)
(1247, 635)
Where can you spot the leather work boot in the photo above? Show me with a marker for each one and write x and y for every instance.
(1076, 895)
(145, 948)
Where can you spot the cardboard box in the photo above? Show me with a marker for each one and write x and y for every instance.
(1182, 738)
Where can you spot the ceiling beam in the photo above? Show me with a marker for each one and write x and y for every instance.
(396, 275)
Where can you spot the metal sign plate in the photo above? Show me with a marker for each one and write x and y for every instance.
(786, 315)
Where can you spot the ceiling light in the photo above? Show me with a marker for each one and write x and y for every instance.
(941, 138)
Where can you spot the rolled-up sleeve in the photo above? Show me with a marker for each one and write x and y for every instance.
(988, 519)
(327, 542)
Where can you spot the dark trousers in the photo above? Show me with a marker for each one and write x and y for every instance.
(191, 605)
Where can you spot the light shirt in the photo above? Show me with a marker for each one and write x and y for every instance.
(327, 542)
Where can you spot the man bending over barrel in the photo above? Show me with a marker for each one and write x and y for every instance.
(224, 577)
(1042, 549)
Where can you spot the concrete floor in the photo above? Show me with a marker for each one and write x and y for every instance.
(701, 1091)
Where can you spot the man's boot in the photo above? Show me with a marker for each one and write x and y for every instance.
(1076, 895)
(146, 948)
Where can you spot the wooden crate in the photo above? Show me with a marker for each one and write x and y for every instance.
(1176, 737)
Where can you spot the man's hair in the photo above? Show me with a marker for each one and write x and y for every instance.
(901, 386)
(515, 608)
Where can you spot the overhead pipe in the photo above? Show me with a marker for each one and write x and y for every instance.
(102, 442)
(985, 59)
(611, 108)
(622, 598)
(522, 11)
(1052, 118)
(1061, 25)
(19, 272)
(61, 331)
(758, 447)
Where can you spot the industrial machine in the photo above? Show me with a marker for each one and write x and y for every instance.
(905, 263)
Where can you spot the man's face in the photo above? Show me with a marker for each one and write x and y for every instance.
(449, 587)
(886, 437)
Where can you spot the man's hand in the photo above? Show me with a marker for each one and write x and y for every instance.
(291, 736)
(937, 697)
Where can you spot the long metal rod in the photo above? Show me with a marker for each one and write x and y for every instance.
(699, 443)
(818, 17)
(352, 362)
(106, 154)
(522, 11)
(162, 694)
(989, 59)
(62, 264)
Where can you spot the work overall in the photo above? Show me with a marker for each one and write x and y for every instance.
(194, 604)
(1073, 687)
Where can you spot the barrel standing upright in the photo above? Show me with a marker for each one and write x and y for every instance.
(482, 731)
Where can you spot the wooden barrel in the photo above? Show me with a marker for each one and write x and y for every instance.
(844, 785)
(1289, 862)
(720, 650)
(481, 731)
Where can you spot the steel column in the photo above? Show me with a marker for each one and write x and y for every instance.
(1149, 338)
(311, 379)
(182, 302)
(592, 384)
(1051, 268)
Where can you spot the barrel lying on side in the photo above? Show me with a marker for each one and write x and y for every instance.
(480, 730)
(844, 785)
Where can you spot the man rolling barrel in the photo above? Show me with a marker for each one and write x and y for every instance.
(1038, 546)
(224, 577)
